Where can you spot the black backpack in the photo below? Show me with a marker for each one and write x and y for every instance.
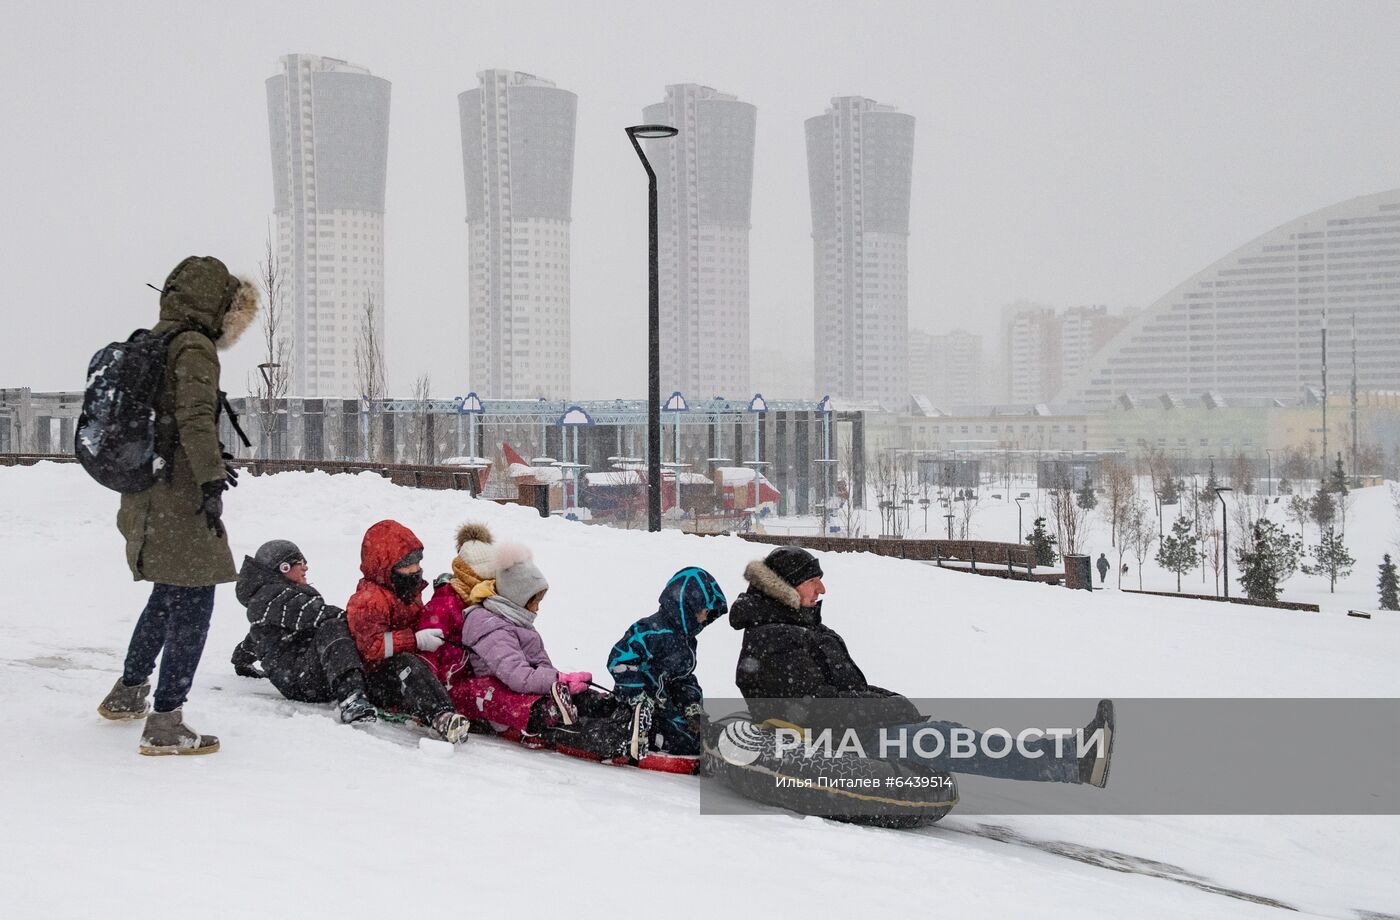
(119, 439)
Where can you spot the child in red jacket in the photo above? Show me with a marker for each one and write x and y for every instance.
(383, 619)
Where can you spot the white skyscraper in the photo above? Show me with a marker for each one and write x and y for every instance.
(704, 196)
(329, 126)
(518, 159)
(859, 166)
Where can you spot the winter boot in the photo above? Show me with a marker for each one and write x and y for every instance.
(167, 733)
(125, 702)
(355, 708)
(564, 704)
(1093, 766)
(639, 734)
(245, 663)
(452, 726)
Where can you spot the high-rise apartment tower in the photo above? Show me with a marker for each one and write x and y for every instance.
(329, 126)
(860, 157)
(704, 196)
(518, 160)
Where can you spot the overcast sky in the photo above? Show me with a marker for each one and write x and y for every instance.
(1067, 153)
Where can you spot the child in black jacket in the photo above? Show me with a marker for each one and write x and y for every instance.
(303, 643)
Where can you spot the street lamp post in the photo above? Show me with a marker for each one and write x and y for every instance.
(653, 329)
(1225, 533)
(1268, 452)
(1020, 534)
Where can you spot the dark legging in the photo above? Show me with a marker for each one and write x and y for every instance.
(406, 683)
(174, 625)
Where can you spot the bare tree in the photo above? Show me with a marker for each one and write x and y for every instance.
(421, 440)
(272, 381)
(968, 500)
(1241, 475)
(1071, 520)
(1138, 534)
(887, 475)
(1118, 490)
(369, 372)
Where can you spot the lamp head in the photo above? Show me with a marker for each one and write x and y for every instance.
(652, 131)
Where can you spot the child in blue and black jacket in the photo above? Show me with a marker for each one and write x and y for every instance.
(653, 666)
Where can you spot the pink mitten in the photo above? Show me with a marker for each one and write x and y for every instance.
(577, 682)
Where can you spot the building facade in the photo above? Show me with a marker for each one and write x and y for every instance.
(329, 126)
(1250, 325)
(1030, 342)
(860, 167)
(949, 368)
(518, 163)
(704, 178)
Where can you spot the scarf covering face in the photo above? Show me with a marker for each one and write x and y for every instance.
(510, 611)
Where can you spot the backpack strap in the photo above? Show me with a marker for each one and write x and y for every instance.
(233, 419)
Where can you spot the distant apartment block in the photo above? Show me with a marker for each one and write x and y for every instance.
(948, 368)
(329, 126)
(859, 168)
(704, 191)
(518, 163)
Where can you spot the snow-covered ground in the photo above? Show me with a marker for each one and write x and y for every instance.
(1372, 530)
(299, 816)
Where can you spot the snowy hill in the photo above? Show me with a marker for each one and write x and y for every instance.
(299, 816)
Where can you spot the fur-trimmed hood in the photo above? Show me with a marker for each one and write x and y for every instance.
(201, 293)
(769, 599)
(769, 582)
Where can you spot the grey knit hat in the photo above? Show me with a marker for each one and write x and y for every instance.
(517, 577)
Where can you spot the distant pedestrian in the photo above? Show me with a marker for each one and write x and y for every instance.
(174, 530)
(1103, 567)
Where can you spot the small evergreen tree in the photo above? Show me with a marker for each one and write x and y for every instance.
(1086, 499)
(1267, 560)
(1337, 482)
(1178, 552)
(1211, 482)
(1285, 486)
(1324, 509)
(1330, 558)
(1390, 588)
(1171, 493)
(1042, 542)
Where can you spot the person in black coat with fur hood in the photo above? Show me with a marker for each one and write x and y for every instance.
(794, 668)
(303, 643)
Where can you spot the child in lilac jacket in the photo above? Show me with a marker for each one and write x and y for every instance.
(514, 685)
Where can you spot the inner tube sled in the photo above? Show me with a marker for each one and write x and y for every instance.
(825, 782)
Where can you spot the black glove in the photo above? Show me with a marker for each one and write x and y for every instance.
(212, 507)
(230, 471)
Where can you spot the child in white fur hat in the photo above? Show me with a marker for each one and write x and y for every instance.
(470, 582)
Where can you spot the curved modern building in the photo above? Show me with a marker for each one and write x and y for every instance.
(329, 125)
(860, 157)
(1249, 326)
(518, 160)
(704, 183)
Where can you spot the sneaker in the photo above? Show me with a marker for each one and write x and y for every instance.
(125, 702)
(1093, 766)
(564, 704)
(167, 733)
(355, 708)
(452, 726)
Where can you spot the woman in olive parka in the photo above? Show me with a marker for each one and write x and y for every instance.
(174, 534)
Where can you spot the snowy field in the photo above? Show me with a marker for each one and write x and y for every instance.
(1372, 529)
(299, 816)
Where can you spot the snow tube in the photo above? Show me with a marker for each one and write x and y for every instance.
(745, 756)
(656, 761)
